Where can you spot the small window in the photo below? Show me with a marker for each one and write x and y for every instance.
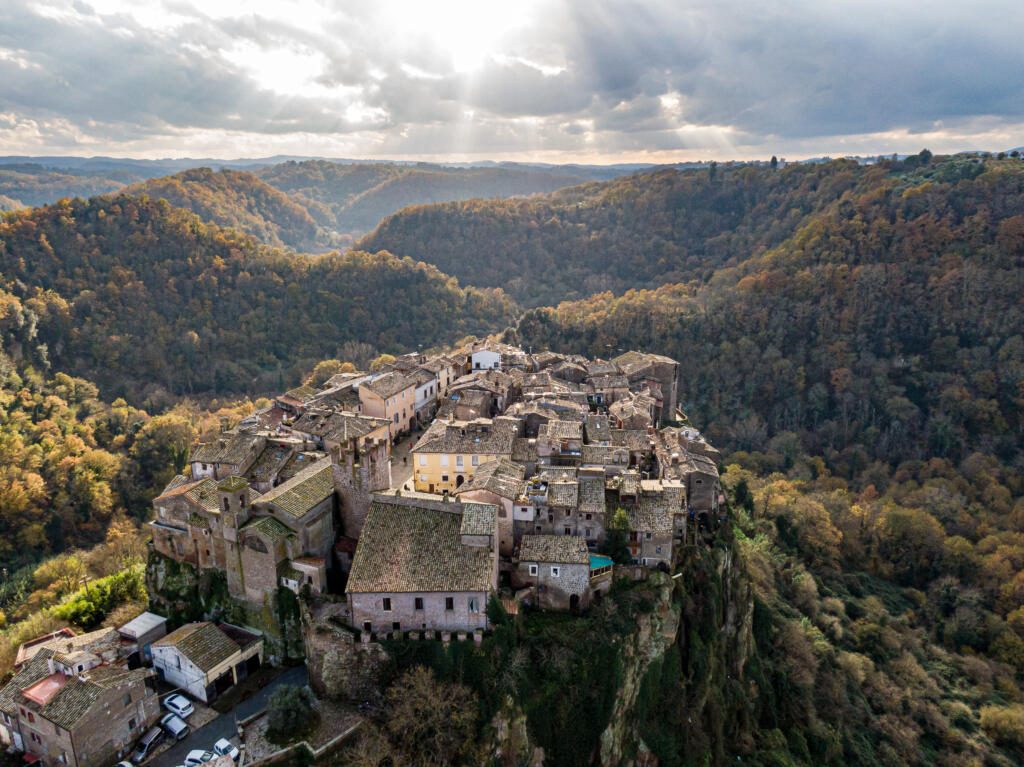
(226, 507)
(449, 603)
(418, 603)
(647, 536)
(556, 571)
(458, 462)
(31, 716)
(568, 530)
(657, 549)
(444, 460)
(444, 477)
(387, 604)
(538, 528)
(568, 512)
(589, 516)
(473, 606)
(589, 533)
(476, 460)
(131, 723)
(396, 417)
(533, 569)
(423, 460)
(128, 696)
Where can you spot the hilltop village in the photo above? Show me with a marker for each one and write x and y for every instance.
(395, 504)
(524, 469)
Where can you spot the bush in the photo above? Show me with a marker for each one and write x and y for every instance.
(1004, 724)
(290, 714)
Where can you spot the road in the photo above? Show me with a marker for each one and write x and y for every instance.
(225, 725)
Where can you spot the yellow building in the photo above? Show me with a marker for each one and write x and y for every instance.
(449, 452)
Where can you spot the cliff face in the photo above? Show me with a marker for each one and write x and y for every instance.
(681, 697)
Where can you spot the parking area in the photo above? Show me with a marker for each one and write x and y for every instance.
(207, 731)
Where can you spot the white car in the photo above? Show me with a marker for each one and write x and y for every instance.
(225, 747)
(179, 704)
(175, 726)
(198, 756)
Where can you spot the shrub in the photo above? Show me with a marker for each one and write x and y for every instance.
(290, 714)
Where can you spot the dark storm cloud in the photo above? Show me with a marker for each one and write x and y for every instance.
(613, 75)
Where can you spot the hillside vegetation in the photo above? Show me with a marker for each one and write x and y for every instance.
(140, 297)
(240, 200)
(32, 185)
(640, 231)
(353, 199)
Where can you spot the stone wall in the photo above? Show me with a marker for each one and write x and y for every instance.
(340, 666)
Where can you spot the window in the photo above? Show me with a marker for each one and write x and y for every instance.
(589, 516)
(225, 504)
(128, 696)
(418, 603)
(533, 569)
(476, 460)
(657, 549)
(458, 462)
(568, 530)
(423, 477)
(205, 467)
(647, 536)
(568, 512)
(31, 716)
(131, 723)
(396, 417)
(556, 571)
(63, 758)
(444, 460)
(423, 460)
(538, 528)
(473, 606)
(449, 603)
(444, 477)
(387, 604)
(589, 533)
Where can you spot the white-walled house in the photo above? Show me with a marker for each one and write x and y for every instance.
(204, 660)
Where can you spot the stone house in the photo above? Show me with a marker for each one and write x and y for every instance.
(391, 396)
(230, 454)
(501, 484)
(76, 710)
(424, 565)
(659, 373)
(449, 452)
(205, 660)
(104, 644)
(560, 443)
(557, 567)
(327, 429)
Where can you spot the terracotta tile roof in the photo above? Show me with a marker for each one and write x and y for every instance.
(561, 430)
(564, 494)
(481, 437)
(405, 548)
(205, 645)
(337, 426)
(562, 549)
(503, 477)
(303, 491)
(597, 428)
(269, 527)
(388, 385)
(634, 439)
(605, 455)
(524, 449)
(230, 448)
(478, 518)
(591, 494)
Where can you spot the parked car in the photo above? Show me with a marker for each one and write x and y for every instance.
(124, 764)
(179, 704)
(225, 747)
(198, 756)
(175, 726)
(147, 744)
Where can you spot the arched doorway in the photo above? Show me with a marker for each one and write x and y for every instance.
(459, 479)
(574, 602)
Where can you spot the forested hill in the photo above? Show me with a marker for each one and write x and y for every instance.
(29, 184)
(239, 200)
(888, 327)
(143, 296)
(353, 199)
(641, 231)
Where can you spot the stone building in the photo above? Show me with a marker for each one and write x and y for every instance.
(424, 565)
(499, 483)
(77, 710)
(557, 567)
(449, 452)
(205, 660)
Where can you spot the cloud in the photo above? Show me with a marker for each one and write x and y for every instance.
(606, 79)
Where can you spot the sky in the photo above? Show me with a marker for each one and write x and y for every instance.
(594, 81)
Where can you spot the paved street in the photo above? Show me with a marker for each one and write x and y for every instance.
(401, 462)
(225, 725)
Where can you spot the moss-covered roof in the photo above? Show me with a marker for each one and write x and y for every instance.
(303, 491)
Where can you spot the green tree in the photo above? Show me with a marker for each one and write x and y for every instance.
(616, 542)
